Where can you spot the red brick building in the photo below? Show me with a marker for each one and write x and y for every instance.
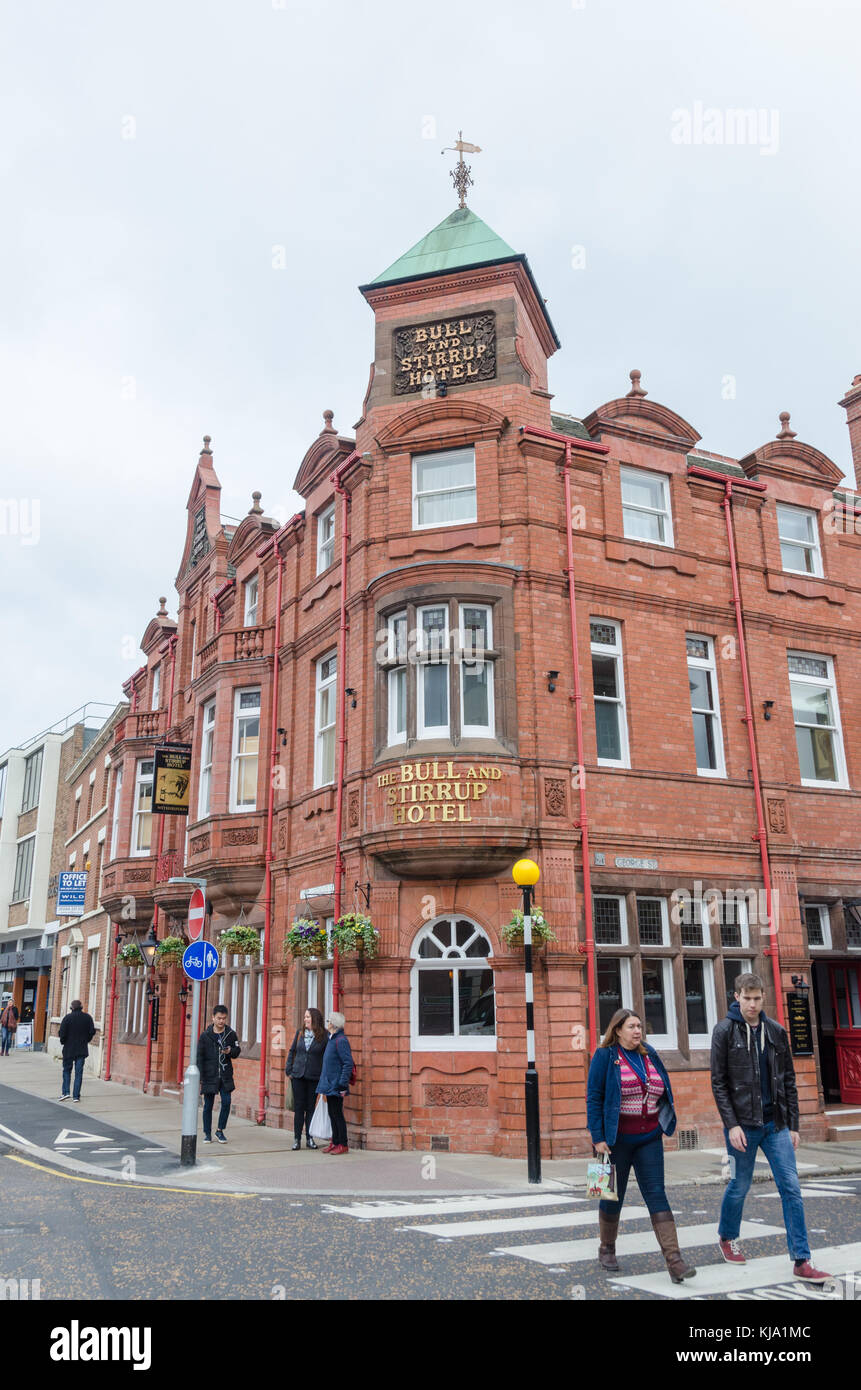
(383, 697)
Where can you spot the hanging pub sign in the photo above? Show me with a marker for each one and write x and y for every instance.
(456, 351)
(171, 779)
(800, 1028)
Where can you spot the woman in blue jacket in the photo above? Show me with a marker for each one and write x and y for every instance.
(629, 1107)
(334, 1081)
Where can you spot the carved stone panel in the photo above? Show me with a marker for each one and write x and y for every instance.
(199, 844)
(456, 1096)
(457, 351)
(554, 796)
(242, 835)
(777, 816)
(353, 813)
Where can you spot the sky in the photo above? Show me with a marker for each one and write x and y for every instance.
(195, 189)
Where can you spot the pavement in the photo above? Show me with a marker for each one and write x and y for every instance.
(116, 1131)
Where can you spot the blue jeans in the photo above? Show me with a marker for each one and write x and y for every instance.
(645, 1154)
(208, 1103)
(7, 1037)
(776, 1144)
(78, 1064)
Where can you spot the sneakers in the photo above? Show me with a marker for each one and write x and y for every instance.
(64, 1097)
(803, 1269)
(207, 1138)
(731, 1252)
(76, 1100)
(221, 1136)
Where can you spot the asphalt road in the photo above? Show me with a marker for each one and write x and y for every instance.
(63, 1127)
(86, 1238)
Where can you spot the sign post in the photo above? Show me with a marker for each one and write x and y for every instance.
(199, 962)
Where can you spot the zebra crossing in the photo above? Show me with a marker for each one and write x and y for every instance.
(558, 1231)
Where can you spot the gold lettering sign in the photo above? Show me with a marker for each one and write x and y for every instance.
(434, 792)
(458, 351)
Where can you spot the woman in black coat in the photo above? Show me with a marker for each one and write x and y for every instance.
(304, 1063)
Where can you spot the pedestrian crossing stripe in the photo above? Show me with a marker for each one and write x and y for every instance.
(508, 1225)
(568, 1252)
(452, 1206)
(733, 1280)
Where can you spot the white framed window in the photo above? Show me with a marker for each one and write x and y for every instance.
(444, 488)
(732, 968)
(246, 749)
(23, 869)
(700, 1002)
(646, 511)
(816, 715)
(692, 919)
(614, 987)
(324, 719)
(817, 920)
(250, 619)
(653, 921)
(326, 538)
(608, 687)
(142, 815)
(115, 817)
(452, 998)
(659, 1005)
(610, 919)
(800, 552)
(396, 679)
(726, 916)
(93, 975)
(476, 670)
(432, 648)
(207, 742)
(705, 706)
(32, 781)
(193, 630)
(3, 770)
(156, 687)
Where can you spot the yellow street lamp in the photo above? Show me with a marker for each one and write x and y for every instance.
(526, 874)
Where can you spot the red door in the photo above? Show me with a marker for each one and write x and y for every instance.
(846, 1002)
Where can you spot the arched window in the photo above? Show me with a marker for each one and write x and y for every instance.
(452, 995)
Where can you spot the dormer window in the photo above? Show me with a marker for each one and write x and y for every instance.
(251, 601)
(325, 538)
(799, 540)
(444, 491)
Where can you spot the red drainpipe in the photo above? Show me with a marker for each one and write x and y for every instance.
(590, 446)
(773, 950)
(110, 1037)
(169, 646)
(262, 1090)
(335, 479)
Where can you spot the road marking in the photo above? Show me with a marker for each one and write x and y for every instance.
(19, 1138)
(448, 1231)
(575, 1251)
(735, 1279)
(107, 1182)
(371, 1211)
(151, 1151)
(80, 1136)
(817, 1190)
(107, 1151)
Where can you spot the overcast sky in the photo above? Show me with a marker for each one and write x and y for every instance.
(153, 155)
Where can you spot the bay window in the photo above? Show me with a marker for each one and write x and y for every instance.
(207, 741)
(818, 735)
(324, 719)
(251, 589)
(432, 655)
(246, 749)
(115, 818)
(142, 813)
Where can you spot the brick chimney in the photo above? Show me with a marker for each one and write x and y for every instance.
(851, 403)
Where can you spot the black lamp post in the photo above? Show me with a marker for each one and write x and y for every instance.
(526, 874)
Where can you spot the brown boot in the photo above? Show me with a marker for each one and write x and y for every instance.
(664, 1227)
(607, 1228)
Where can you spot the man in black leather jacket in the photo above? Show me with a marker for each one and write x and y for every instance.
(753, 1083)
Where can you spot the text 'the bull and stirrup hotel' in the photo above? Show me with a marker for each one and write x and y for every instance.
(499, 630)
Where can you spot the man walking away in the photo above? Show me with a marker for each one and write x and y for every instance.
(8, 1027)
(217, 1047)
(76, 1031)
(753, 1083)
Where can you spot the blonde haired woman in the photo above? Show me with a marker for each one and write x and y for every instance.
(629, 1106)
(334, 1081)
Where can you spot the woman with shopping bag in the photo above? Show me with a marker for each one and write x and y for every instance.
(629, 1107)
(334, 1083)
(304, 1064)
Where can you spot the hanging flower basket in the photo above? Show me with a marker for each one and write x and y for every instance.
(512, 932)
(240, 940)
(355, 931)
(130, 954)
(306, 937)
(170, 951)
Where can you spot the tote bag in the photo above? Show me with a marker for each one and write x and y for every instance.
(321, 1125)
(601, 1181)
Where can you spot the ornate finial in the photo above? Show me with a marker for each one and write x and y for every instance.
(785, 431)
(162, 612)
(207, 440)
(461, 174)
(636, 388)
(328, 427)
(255, 509)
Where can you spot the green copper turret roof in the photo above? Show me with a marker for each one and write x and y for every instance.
(461, 240)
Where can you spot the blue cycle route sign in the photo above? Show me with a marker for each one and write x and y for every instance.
(200, 960)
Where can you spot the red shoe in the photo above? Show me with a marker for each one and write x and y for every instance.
(803, 1269)
(329, 1148)
(731, 1252)
(340, 1149)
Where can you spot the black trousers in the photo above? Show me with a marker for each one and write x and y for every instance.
(304, 1101)
(339, 1124)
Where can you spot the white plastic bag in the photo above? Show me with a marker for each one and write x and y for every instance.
(321, 1125)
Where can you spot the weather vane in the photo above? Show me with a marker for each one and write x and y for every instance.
(461, 175)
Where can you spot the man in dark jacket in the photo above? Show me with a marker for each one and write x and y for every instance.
(8, 1026)
(217, 1047)
(76, 1031)
(753, 1083)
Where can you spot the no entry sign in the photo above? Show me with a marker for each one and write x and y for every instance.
(196, 914)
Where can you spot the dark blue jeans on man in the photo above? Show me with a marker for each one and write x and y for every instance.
(78, 1064)
(208, 1103)
(776, 1144)
(7, 1037)
(645, 1154)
